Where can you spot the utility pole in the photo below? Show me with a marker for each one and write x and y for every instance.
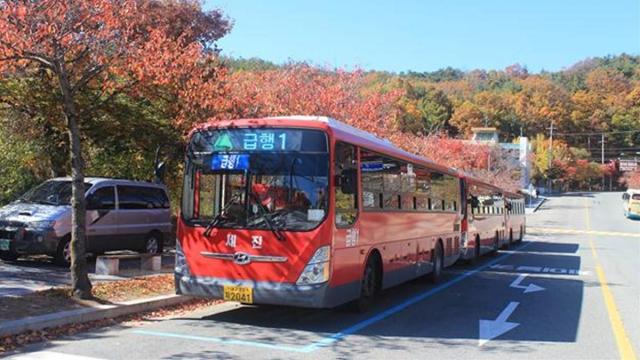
(602, 157)
(602, 149)
(550, 155)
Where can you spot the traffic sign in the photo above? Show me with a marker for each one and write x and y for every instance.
(628, 165)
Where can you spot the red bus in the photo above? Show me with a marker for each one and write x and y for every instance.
(484, 223)
(310, 212)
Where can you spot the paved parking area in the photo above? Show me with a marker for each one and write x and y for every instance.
(561, 294)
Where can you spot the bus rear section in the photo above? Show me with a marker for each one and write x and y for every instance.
(484, 223)
(516, 224)
(252, 226)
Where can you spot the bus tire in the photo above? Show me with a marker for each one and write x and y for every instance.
(521, 235)
(370, 285)
(438, 264)
(496, 243)
(478, 245)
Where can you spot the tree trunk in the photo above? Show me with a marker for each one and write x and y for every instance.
(79, 278)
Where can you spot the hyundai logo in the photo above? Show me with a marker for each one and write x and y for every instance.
(241, 258)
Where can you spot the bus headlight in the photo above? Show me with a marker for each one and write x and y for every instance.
(317, 269)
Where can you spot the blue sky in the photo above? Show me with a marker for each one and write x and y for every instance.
(428, 35)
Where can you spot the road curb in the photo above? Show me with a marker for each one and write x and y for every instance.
(100, 312)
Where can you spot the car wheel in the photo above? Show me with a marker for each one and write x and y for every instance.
(63, 253)
(153, 244)
(436, 275)
(8, 256)
(369, 287)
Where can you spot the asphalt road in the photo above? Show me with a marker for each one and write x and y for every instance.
(570, 291)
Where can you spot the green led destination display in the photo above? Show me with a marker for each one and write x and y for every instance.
(258, 140)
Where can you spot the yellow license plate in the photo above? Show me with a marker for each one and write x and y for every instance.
(238, 293)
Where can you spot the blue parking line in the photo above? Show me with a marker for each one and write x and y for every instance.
(411, 301)
(222, 340)
(345, 332)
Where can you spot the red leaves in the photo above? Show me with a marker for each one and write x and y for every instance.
(143, 48)
(631, 179)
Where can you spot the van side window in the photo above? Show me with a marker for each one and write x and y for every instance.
(139, 197)
(346, 204)
(103, 199)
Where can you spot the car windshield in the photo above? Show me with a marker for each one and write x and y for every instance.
(52, 192)
(259, 189)
(635, 197)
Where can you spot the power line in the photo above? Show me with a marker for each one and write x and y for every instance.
(597, 133)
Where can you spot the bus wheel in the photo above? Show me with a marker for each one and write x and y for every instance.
(521, 234)
(370, 285)
(436, 275)
(496, 244)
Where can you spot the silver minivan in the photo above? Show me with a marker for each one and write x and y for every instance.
(121, 215)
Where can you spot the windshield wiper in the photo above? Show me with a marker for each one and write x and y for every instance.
(217, 218)
(263, 214)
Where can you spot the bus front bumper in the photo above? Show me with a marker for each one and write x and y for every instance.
(311, 296)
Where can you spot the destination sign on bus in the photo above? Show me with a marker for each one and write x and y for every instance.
(257, 140)
(230, 162)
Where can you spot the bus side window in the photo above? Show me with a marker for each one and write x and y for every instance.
(346, 203)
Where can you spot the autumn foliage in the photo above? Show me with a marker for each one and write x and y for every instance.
(632, 180)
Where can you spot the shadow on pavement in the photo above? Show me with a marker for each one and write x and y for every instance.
(452, 315)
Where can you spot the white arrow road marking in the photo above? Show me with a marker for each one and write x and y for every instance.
(528, 288)
(490, 329)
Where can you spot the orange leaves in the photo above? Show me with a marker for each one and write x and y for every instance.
(143, 48)
(632, 179)
(305, 90)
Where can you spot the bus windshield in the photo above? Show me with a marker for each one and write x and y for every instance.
(257, 179)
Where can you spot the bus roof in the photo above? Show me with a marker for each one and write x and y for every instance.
(339, 129)
(474, 180)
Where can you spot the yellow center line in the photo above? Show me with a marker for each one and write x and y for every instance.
(622, 340)
(577, 231)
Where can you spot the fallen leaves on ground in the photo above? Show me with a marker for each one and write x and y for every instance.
(136, 288)
(60, 299)
(9, 343)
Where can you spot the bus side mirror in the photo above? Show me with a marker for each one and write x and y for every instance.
(159, 172)
(348, 181)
